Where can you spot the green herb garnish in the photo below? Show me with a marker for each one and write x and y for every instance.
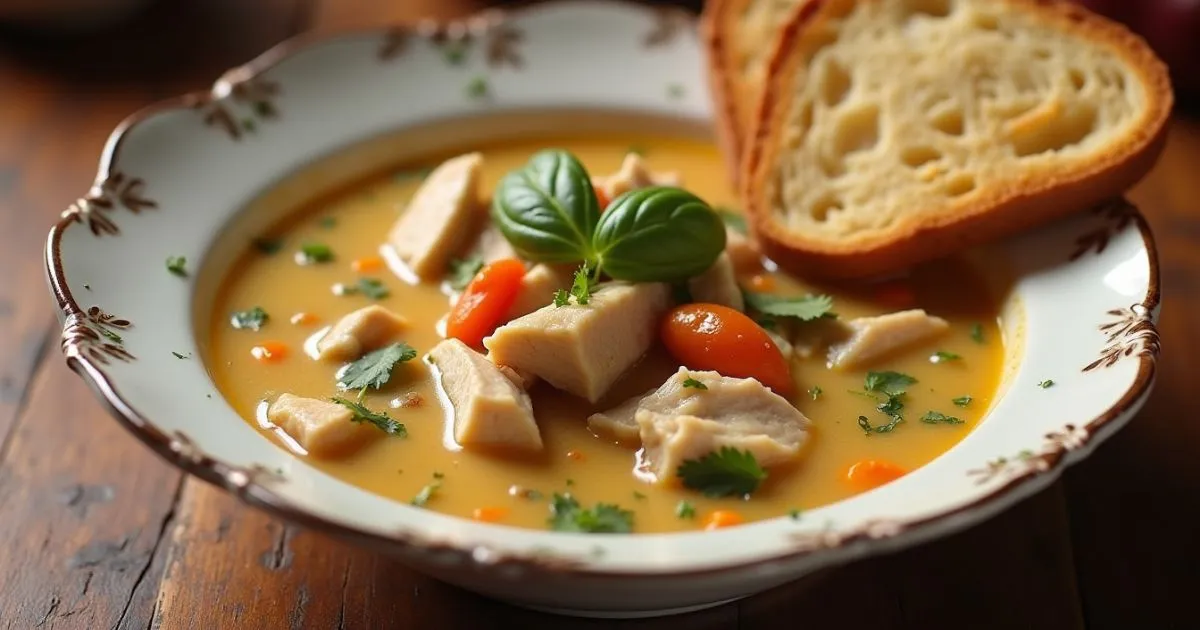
(794, 513)
(936, 417)
(381, 420)
(327, 222)
(1046, 384)
(179, 356)
(268, 245)
(815, 391)
(426, 493)
(477, 88)
(110, 335)
(454, 52)
(892, 383)
(462, 271)
(638, 495)
(804, 308)
(177, 265)
(561, 298)
(722, 473)
(941, 356)
(315, 253)
(375, 368)
(581, 286)
(254, 319)
(977, 332)
(892, 406)
(962, 401)
(548, 211)
(685, 510)
(566, 515)
(865, 425)
(373, 288)
(693, 383)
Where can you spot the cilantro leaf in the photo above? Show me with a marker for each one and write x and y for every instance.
(374, 368)
(722, 473)
(935, 417)
(177, 265)
(254, 318)
(693, 383)
(962, 401)
(581, 287)
(382, 421)
(1046, 384)
(426, 493)
(462, 271)
(685, 510)
(866, 426)
(566, 515)
(268, 246)
(561, 298)
(314, 253)
(891, 383)
(941, 356)
(373, 288)
(733, 220)
(815, 391)
(110, 335)
(977, 333)
(805, 307)
(892, 406)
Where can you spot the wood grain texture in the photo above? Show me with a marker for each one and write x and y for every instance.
(98, 533)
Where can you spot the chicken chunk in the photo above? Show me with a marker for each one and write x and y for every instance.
(369, 328)
(538, 286)
(583, 349)
(874, 337)
(742, 251)
(718, 285)
(439, 218)
(323, 428)
(632, 175)
(489, 409)
(678, 423)
(620, 421)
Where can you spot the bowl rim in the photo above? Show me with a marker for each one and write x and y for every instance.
(247, 483)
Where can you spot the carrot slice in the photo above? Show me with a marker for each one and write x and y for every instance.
(722, 518)
(714, 337)
(490, 514)
(485, 301)
(269, 351)
(576, 455)
(872, 473)
(304, 319)
(366, 264)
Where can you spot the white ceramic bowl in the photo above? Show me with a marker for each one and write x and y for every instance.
(173, 180)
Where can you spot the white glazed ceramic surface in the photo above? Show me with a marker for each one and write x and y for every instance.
(172, 178)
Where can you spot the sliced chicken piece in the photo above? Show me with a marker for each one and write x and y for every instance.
(874, 337)
(677, 423)
(323, 428)
(439, 218)
(538, 286)
(632, 175)
(490, 245)
(583, 349)
(718, 285)
(743, 252)
(620, 421)
(369, 328)
(520, 378)
(489, 409)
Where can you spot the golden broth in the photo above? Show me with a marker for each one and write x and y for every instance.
(354, 222)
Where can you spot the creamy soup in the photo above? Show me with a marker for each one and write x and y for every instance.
(868, 421)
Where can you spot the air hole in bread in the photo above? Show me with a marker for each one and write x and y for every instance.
(985, 22)
(1078, 78)
(823, 207)
(1042, 53)
(857, 130)
(949, 122)
(1058, 129)
(927, 8)
(836, 83)
(960, 185)
(916, 156)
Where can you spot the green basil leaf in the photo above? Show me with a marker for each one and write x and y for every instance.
(658, 234)
(547, 210)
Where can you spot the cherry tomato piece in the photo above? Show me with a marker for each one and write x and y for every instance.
(485, 301)
(718, 338)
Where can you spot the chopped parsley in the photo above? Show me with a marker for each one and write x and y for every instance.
(477, 88)
(794, 513)
(314, 253)
(815, 391)
(727, 472)
(177, 265)
(426, 493)
(733, 220)
(462, 271)
(869, 429)
(382, 421)
(977, 333)
(804, 307)
(1046, 384)
(375, 368)
(936, 417)
(892, 406)
(693, 383)
(254, 319)
(685, 510)
(561, 298)
(454, 52)
(962, 401)
(110, 335)
(581, 288)
(180, 356)
(566, 515)
(268, 246)
(892, 383)
(941, 356)
(373, 288)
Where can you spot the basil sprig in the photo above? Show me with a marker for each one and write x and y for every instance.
(548, 212)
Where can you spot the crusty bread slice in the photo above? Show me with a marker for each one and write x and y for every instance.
(739, 36)
(892, 132)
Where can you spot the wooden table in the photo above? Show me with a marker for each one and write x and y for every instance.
(97, 532)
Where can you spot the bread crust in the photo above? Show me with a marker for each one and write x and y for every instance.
(715, 20)
(1027, 203)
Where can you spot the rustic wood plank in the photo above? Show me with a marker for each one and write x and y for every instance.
(1132, 503)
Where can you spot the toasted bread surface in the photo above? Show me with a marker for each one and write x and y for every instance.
(892, 132)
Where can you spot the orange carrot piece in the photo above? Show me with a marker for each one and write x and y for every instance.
(872, 473)
(715, 337)
(490, 514)
(304, 319)
(269, 351)
(483, 304)
(762, 282)
(366, 264)
(722, 518)
(576, 455)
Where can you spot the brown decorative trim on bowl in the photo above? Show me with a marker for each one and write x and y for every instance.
(669, 24)
(254, 484)
(1116, 214)
(255, 95)
(90, 333)
(1133, 332)
(110, 192)
(501, 41)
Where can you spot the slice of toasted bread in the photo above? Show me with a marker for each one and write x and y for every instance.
(739, 36)
(892, 132)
